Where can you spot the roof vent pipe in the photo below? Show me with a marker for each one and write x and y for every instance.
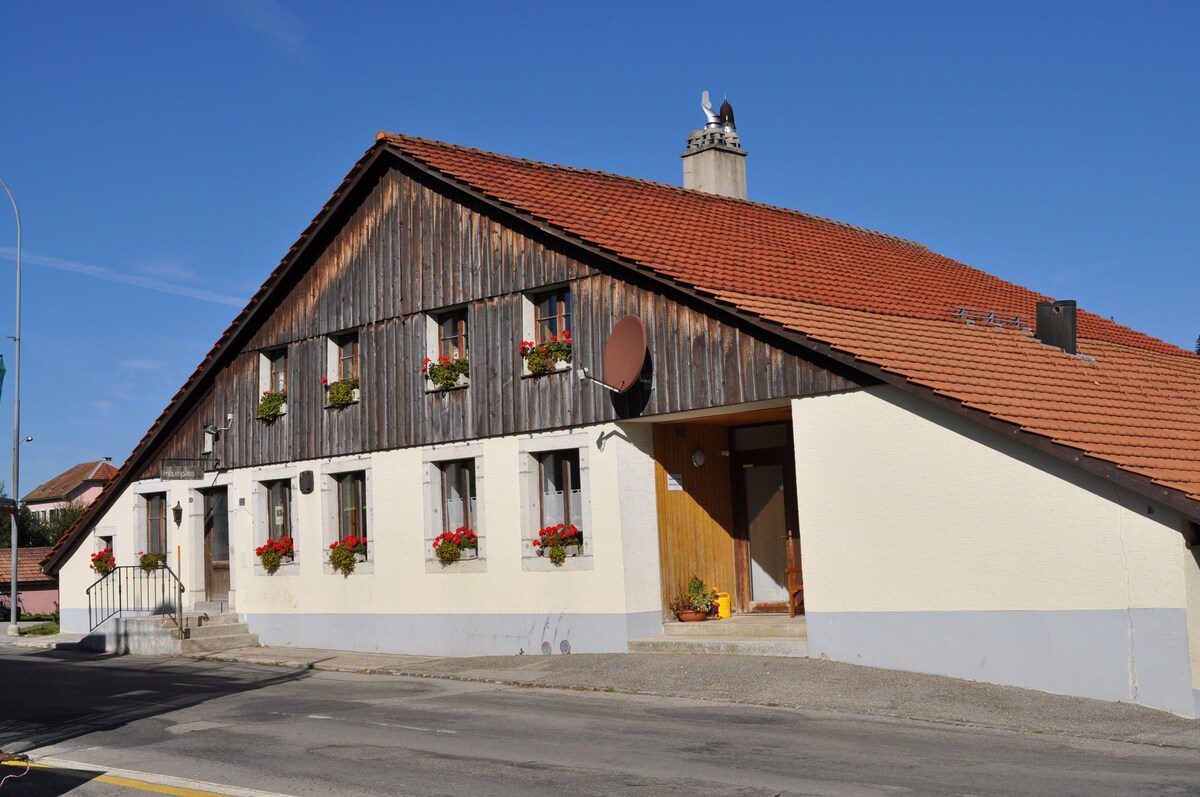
(1056, 324)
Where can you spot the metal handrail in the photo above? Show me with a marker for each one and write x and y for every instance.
(132, 588)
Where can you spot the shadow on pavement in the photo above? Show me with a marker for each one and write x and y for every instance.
(49, 697)
(42, 781)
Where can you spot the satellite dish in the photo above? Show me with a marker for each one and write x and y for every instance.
(625, 354)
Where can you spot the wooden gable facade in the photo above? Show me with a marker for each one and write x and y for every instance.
(405, 243)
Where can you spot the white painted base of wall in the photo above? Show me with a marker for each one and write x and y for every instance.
(1130, 657)
(456, 634)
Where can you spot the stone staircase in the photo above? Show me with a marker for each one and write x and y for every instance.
(742, 634)
(209, 632)
(208, 628)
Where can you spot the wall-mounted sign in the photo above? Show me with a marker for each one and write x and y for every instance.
(181, 469)
(674, 482)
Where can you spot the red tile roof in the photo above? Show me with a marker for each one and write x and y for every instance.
(883, 300)
(61, 486)
(28, 571)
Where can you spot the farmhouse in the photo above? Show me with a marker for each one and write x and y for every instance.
(967, 477)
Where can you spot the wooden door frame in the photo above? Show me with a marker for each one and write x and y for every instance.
(205, 511)
(738, 460)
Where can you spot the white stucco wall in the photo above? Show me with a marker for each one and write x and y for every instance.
(593, 602)
(930, 543)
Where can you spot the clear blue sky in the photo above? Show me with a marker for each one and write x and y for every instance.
(165, 155)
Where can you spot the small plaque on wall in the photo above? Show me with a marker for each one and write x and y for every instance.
(674, 482)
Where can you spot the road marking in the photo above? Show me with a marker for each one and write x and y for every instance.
(143, 781)
(367, 722)
(137, 692)
(410, 727)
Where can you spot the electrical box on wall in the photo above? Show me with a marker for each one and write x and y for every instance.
(306, 481)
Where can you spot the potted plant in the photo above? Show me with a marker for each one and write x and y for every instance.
(557, 542)
(446, 372)
(542, 358)
(274, 552)
(694, 602)
(151, 561)
(341, 393)
(104, 562)
(450, 546)
(345, 553)
(272, 404)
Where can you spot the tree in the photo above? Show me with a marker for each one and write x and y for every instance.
(1198, 345)
(35, 529)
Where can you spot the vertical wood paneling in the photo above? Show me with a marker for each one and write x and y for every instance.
(408, 249)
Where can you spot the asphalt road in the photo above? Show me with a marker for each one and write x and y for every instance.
(300, 732)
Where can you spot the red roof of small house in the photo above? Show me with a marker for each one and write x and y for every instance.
(28, 571)
(1130, 406)
(64, 484)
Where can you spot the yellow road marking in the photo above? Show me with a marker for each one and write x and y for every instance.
(140, 785)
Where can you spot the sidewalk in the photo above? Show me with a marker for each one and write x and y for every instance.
(810, 684)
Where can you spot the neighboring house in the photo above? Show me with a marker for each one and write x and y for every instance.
(37, 593)
(964, 496)
(81, 483)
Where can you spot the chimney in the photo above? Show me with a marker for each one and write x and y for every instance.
(714, 160)
(1056, 324)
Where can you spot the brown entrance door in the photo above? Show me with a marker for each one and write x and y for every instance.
(768, 538)
(216, 544)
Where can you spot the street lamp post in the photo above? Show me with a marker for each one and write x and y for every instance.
(13, 628)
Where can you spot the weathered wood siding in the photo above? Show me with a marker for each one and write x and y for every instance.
(412, 246)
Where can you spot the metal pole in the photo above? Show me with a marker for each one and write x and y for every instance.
(13, 628)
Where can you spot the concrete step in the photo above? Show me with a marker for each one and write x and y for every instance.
(725, 645)
(212, 607)
(766, 626)
(214, 644)
(200, 619)
(221, 629)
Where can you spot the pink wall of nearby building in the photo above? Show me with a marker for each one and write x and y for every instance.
(35, 599)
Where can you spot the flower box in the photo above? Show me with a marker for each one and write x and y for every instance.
(548, 356)
(341, 393)
(446, 373)
(558, 542)
(454, 546)
(272, 404)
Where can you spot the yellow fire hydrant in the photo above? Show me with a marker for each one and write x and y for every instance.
(723, 605)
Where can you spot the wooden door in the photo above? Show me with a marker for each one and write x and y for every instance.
(768, 540)
(216, 544)
(695, 523)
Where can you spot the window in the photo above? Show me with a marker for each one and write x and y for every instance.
(279, 508)
(277, 370)
(559, 488)
(458, 494)
(452, 335)
(551, 315)
(156, 523)
(351, 503)
(554, 489)
(347, 356)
